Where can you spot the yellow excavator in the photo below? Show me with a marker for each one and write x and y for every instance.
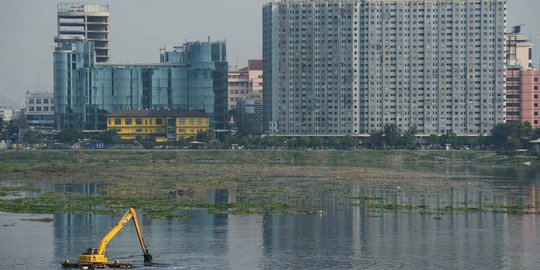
(95, 257)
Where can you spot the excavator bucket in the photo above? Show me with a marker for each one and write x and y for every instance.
(147, 259)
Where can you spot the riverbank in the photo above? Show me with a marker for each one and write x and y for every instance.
(164, 183)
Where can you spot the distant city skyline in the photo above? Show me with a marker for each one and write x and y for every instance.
(139, 28)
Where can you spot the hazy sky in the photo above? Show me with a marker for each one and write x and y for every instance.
(140, 27)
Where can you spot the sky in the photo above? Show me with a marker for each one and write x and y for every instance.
(140, 27)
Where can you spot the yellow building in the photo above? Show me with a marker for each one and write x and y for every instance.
(157, 125)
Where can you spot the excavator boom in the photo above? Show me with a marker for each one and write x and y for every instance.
(97, 257)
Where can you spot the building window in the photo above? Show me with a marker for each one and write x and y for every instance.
(38, 100)
(159, 121)
(535, 79)
(199, 121)
(45, 100)
(31, 109)
(191, 121)
(117, 121)
(138, 121)
(181, 130)
(39, 109)
(45, 109)
(31, 101)
(181, 121)
(128, 121)
(536, 88)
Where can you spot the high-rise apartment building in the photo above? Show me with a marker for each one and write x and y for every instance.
(522, 81)
(85, 22)
(190, 77)
(353, 66)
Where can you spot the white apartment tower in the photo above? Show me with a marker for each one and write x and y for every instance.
(352, 66)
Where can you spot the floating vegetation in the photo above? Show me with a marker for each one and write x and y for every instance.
(510, 209)
(39, 219)
(154, 207)
(14, 190)
(166, 184)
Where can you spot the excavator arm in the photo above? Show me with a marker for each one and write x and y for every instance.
(147, 256)
(98, 255)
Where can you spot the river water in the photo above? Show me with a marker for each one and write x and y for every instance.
(346, 237)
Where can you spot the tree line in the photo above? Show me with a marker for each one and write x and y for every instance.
(504, 138)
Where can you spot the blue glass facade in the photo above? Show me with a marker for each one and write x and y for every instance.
(190, 77)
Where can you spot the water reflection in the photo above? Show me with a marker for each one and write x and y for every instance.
(349, 236)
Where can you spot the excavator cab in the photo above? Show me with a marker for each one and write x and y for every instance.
(90, 251)
(91, 256)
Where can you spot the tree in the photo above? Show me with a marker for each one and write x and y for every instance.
(317, 142)
(108, 136)
(2, 129)
(512, 144)
(348, 142)
(207, 136)
(228, 140)
(11, 130)
(31, 137)
(409, 137)
(69, 136)
(376, 139)
(434, 139)
(536, 134)
(269, 141)
(291, 144)
(246, 141)
(333, 142)
(392, 134)
(521, 132)
(303, 141)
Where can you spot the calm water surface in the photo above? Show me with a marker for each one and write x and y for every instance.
(347, 237)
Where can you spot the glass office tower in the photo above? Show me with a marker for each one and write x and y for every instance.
(186, 78)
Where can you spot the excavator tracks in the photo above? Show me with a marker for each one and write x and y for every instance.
(96, 265)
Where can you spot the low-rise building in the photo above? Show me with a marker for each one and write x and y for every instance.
(158, 125)
(6, 114)
(39, 113)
